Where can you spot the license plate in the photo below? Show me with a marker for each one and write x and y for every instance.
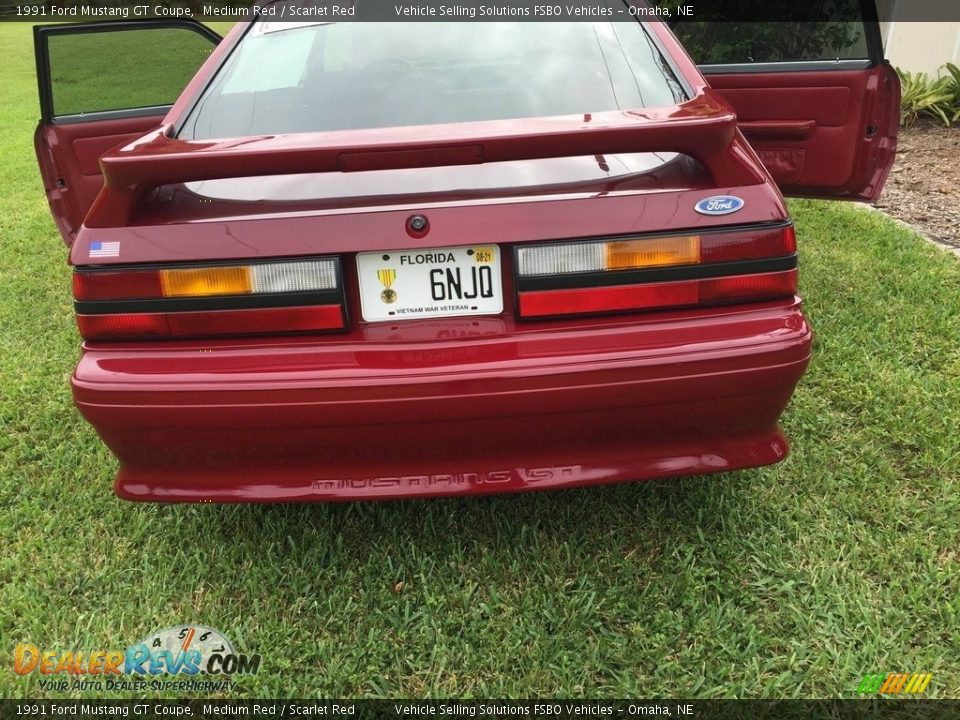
(434, 282)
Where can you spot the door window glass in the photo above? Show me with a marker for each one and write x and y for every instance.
(94, 72)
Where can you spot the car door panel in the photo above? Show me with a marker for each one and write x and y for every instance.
(777, 130)
(82, 100)
(69, 158)
(814, 96)
(819, 133)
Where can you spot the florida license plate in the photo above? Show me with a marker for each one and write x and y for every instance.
(436, 282)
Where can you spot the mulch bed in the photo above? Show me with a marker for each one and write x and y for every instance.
(924, 185)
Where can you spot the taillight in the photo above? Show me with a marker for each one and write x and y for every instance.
(748, 264)
(303, 295)
(207, 280)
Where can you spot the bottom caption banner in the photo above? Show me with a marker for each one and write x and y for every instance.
(876, 709)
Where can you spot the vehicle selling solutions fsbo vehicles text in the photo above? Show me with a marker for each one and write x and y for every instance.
(572, 11)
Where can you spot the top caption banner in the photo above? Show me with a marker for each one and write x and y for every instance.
(673, 11)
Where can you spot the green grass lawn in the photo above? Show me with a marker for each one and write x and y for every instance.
(84, 68)
(794, 580)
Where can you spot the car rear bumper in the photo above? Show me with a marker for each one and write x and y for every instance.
(540, 407)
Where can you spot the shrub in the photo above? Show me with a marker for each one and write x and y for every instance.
(954, 85)
(938, 98)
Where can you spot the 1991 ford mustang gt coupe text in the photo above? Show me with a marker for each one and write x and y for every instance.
(380, 260)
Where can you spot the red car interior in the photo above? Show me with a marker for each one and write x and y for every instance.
(827, 133)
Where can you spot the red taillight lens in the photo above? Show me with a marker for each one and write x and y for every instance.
(683, 293)
(140, 325)
(748, 244)
(576, 301)
(749, 264)
(762, 286)
(303, 295)
(120, 285)
(130, 326)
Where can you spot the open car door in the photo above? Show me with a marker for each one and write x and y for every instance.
(816, 100)
(103, 84)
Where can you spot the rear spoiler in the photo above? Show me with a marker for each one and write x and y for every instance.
(703, 128)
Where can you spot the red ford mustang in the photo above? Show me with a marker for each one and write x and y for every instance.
(382, 260)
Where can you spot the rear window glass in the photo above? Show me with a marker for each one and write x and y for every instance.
(289, 78)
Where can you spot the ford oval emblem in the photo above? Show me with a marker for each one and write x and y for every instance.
(719, 205)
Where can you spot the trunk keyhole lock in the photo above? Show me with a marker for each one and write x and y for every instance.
(418, 226)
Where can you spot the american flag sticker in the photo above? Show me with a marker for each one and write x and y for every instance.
(104, 249)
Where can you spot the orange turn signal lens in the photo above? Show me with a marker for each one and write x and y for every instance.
(198, 282)
(610, 255)
(652, 252)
